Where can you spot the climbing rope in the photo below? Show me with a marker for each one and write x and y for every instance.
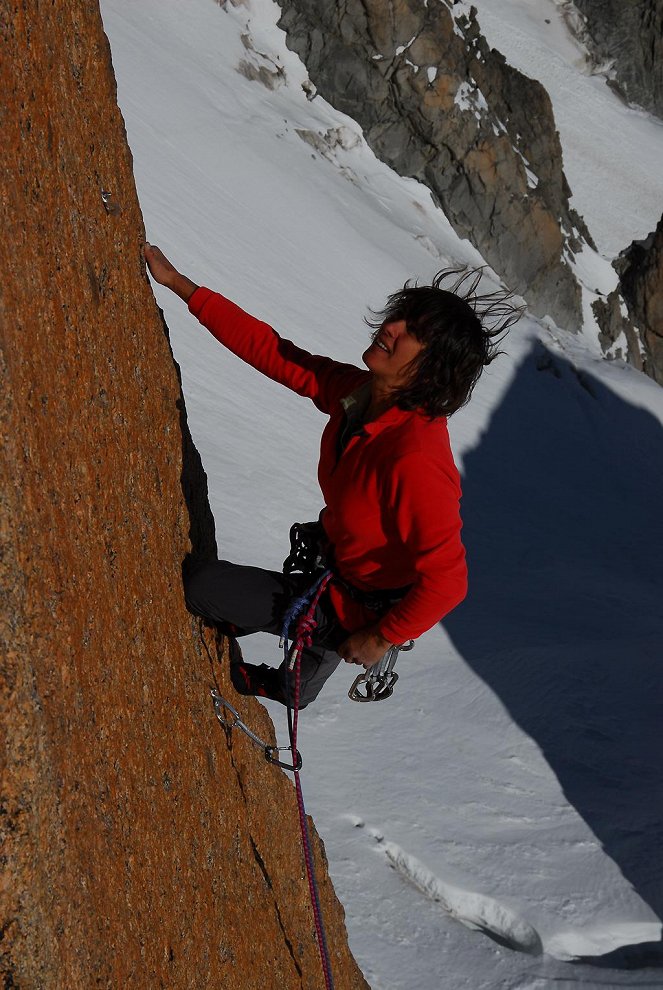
(306, 623)
(301, 611)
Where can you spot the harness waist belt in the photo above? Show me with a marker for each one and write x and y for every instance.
(311, 554)
(377, 599)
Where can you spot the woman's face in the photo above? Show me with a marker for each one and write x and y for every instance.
(390, 354)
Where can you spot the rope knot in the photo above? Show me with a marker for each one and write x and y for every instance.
(305, 628)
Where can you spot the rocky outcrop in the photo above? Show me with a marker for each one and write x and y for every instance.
(640, 270)
(626, 43)
(438, 105)
(143, 845)
(631, 317)
(618, 336)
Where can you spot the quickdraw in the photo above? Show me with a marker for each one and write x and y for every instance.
(221, 706)
(377, 682)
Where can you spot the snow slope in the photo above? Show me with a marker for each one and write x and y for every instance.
(501, 814)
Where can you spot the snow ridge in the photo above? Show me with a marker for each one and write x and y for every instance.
(474, 910)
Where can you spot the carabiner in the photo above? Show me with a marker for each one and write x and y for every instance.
(379, 680)
(377, 688)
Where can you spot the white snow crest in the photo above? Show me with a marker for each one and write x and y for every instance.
(597, 941)
(474, 910)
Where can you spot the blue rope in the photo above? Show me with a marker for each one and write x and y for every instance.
(296, 609)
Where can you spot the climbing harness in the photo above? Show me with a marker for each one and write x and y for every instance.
(309, 550)
(310, 554)
(377, 683)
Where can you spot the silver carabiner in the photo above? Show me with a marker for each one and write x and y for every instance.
(377, 683)
(220, 708)
(377, 688)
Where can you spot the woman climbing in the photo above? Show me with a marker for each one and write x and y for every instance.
(390, 528)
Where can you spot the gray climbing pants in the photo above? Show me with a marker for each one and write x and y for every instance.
(244, 600)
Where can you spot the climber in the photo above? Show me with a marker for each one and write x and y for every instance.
(390, 528)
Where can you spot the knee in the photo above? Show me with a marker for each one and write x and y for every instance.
(198, 580)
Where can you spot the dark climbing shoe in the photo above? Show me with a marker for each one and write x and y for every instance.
(260, 681)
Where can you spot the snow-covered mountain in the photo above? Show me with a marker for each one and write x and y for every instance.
(501, 814)
(612, 152)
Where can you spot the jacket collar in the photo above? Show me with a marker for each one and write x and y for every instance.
(356, 404)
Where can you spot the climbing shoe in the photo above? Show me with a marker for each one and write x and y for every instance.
(261, 681)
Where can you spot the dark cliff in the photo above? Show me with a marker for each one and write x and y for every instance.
(142, 846)
(631, 317)
(437, 104)
(626, 41)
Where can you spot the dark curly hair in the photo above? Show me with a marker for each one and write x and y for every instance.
(461, 332)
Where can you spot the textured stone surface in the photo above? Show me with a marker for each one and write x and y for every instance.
(618, 337)
(633, 313)
(626, 40)
(438, 105)
(142, 846)
(640, 270)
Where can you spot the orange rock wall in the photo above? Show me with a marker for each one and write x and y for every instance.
(142, 846)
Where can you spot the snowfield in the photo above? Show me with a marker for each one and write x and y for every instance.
(497, 823)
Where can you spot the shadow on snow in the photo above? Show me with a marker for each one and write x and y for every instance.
(563, 512)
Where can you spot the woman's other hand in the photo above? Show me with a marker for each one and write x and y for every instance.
(365, 647)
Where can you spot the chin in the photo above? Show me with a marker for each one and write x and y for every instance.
(369, 356)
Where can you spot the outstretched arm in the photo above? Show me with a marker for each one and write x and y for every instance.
(319, 378)
(166, 274)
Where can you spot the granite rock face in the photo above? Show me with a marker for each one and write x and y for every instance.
(631, 317)
(625, 38)
(143, 845)
(438, 105)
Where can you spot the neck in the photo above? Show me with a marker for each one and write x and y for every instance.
(381, 400)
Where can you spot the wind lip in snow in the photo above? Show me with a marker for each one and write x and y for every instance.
(586, 942)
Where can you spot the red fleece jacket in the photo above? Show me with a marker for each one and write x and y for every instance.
(392, 498)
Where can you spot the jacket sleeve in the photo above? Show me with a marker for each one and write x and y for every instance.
(318, 378)
(424, 498)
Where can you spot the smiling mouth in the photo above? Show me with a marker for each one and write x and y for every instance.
(382, 346)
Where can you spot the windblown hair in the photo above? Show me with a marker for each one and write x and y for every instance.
(461, 332)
